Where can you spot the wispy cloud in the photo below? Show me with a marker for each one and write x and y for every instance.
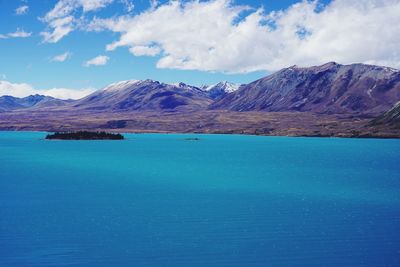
(24, 89)
(19, 33)
(22, 10)
(62, 57)
(61, 19)
(65, 8)
(70, 15)
(129, 6)
(97, 61)
(61, 27)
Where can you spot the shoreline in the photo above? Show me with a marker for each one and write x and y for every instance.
(211, 122)
(211, 133)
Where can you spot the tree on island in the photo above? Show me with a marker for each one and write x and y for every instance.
(85, 135)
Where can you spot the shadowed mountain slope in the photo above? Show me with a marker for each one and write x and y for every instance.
(329, 89)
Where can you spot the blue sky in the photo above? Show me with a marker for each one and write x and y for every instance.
(258, 41)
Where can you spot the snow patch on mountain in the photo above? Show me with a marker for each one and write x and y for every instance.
(225, 86)
(121, 85)
(220, 89)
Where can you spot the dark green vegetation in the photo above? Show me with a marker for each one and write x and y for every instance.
(84, 135)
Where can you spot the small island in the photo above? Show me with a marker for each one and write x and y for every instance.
(84, 135)
(192, 139)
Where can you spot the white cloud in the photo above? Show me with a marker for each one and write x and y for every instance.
(62, 57)
(61, 27)
(65, 93)
(92, 5)
(61, 20)
(97, 61)
(154, 4)
(22, 10)
(142, 50)
(218, 36)
(64, 8)
(24, 89)
(17, 34)
(15, 89)
(129, 6)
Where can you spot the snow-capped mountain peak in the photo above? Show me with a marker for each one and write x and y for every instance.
(220, 89)
(224, 85)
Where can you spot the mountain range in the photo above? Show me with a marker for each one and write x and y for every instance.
(145, 95)
(331, 99)
(9, 103)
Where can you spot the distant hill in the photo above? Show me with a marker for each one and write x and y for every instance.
(9, 103)
(51, 102)
(329, 89)
(145, 95)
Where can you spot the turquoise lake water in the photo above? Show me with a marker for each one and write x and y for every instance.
(225, 200)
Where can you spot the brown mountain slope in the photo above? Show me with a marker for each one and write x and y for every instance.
(391, 118)
(328, 89)
(144, 95)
